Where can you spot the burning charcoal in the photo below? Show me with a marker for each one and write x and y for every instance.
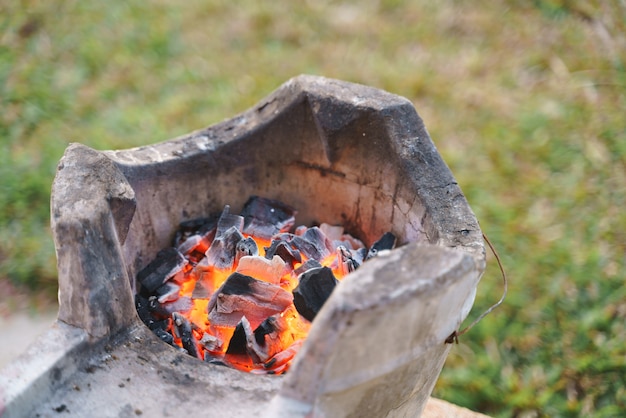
(262, 343)
(204, 227)
(241, 341)
(250, 317)
(221, 254)
(354, 257)
(195, 243)
(168, 292)
(201, 290)
(163, 324)
(261, 268)
(142, 305)
(183, 304)
(245, 247)
(156, 310)
(347, 264)
(182, 276)
(207, 283)
(304, 246)
(182, 329)
(264, 218)
(165, 336)
(228, 221)
(280, 362)
(241, 294)
(284, 251)
(210, 342)
(270, 338)
(309, 249)
(308, 265)
(267, 327)
(202, 267)
(314, 288)
(237, 344)
(386, 242)
(167, 263)
(315, 236)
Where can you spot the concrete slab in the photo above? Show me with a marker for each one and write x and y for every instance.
(19, 329)
(83, 390)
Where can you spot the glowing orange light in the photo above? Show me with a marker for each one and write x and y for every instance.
(206, 280)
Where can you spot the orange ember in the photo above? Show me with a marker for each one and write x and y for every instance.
(242, 290)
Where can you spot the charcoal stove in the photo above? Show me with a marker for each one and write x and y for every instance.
(343, 154)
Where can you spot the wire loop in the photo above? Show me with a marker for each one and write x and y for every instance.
(454, 337)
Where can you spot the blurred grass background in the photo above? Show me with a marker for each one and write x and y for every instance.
(526, 101)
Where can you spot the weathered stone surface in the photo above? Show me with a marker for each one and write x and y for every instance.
(378, 342)
(60, 368)
(339, 153)
(92, 207)
(136, 374)
(42, 369)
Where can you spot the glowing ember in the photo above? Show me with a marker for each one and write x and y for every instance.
(241, 290)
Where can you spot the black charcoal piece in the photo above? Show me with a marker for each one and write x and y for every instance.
(244, 295)
(167, 263)
(347, 264)
(142, 305)
(154, 305)
(237, 344)
(197, 243)
(265, 341)
(210, 342)
(261, 344)
(145, 312)
(163, 324)
(164, 336)
(227, 221)
(308, 265)
(304, 246)
(264, 218)
(221, 254)
(191, 244)
(314, 289)
(200, 226)
(284, 251)
(182, 328)
(237, 284)
(246, 246)
(167, 292)
(268, 326)
(183, 304)
(307, 248)
(182, 276)
(386, 242)
(316, 237)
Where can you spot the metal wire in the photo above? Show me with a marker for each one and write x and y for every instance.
(454, 337)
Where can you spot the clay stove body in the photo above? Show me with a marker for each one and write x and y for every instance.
(338, 152)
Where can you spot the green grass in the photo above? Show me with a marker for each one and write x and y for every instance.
(525, 101)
